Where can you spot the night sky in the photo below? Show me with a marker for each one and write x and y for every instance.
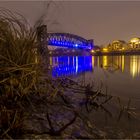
(103, 21)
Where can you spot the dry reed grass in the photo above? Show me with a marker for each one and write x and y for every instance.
(18, 55)
(19, 69)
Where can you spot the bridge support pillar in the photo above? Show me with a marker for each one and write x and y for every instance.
(42, 38)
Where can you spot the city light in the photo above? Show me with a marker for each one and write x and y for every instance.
(105, 50)
(134, 40)
(105, 61)
(92, 51)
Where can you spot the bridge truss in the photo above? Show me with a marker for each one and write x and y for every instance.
(69, 40)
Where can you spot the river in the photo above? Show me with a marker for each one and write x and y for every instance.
(118, 76)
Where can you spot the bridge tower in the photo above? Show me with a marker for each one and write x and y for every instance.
(42, 37)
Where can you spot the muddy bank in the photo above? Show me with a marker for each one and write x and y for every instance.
(73, 112)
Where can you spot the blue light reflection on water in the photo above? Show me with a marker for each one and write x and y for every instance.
(70, 65)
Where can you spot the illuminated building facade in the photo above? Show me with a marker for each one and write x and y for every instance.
(116, 45)
(120, 45)
(134, 43)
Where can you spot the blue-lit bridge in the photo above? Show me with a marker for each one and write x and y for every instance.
(69, 40)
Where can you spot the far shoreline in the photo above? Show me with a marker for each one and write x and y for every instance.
(96, 54)
(116, 53)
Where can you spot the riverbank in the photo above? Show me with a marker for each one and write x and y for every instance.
(51, 115)
(70, 113)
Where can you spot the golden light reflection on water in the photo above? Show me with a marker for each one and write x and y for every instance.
(98, 61)
(129, 64)
(126, 64)
(134, 65)
(51, 61)
(105, 61)
(93, 62)
(123, 63)
(119, 61)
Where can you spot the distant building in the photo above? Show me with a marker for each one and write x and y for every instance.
(134, 43)
(118, 45)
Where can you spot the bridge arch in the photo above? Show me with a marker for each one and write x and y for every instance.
(69, 40)
(63, 39)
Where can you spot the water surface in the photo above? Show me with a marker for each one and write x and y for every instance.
(115, 75)
(121, 74)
